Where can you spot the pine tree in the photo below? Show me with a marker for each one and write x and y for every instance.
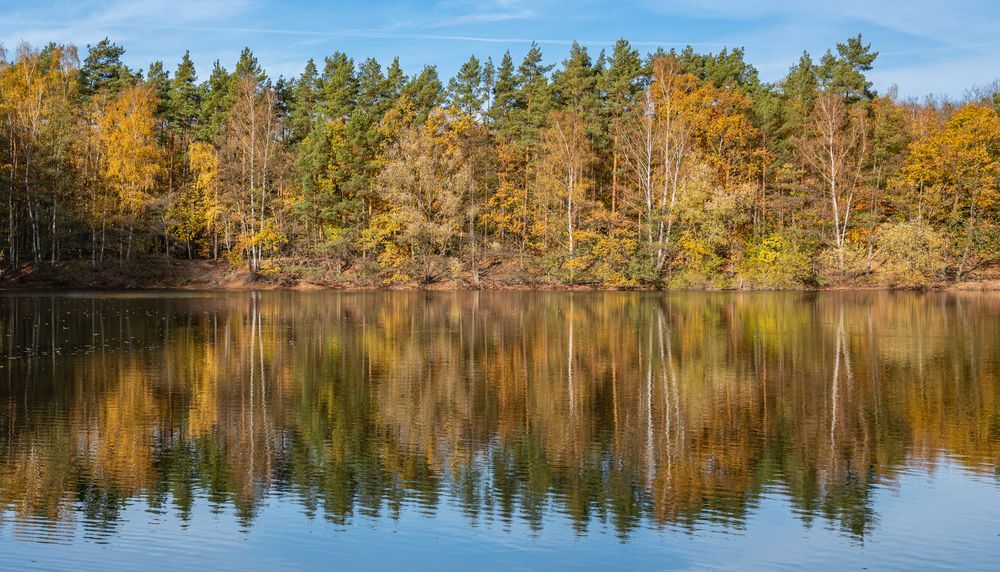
(395, 79)
(215, 104)
(621, 82)
(184, 98)
(533, 98)
(489, 78)
(424, 92)
(798, 91)
(159, 80)
(504, 92)
(465, 90)
(725, 69)
(371, 87)
(843, 74)
(338, 87)
(248, 66)
(103, 70)
(575, 85)
(377, 92)
(305, 93)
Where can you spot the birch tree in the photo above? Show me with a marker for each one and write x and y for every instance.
(251, 155)
(835, 146)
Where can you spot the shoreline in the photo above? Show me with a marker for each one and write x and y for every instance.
(212, 276)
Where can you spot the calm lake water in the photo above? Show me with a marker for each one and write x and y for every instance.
(511, 430)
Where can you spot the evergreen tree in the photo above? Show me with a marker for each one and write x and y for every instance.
(215, 104)
(844, 73)
(184, 97)
(338, 87)
(424, 92)
(724, 69)
(158, 79)
(489, 78)
(284, 91)
(623, 79)
(621, 82)
(533, 98)
(575, 85)
(103, 70)
(371, 87)
(465, 90)
(504, 92)
(305, 94)
(395, 79)
(248, 66)
(799, 87)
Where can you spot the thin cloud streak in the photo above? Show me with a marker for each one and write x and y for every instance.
(380, 35)
(919, 48)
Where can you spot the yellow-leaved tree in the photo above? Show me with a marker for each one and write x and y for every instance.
(204, 164)
(132, 158)
(250, 155)
(836, 147)
(197, 213)
(954, 176)
(426, 179)
(566, 154)
(37, 91)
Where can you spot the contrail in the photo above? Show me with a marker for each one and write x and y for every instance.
(381, 35)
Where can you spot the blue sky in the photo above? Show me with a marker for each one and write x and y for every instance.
(927, 46)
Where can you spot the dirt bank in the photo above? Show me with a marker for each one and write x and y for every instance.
(220, 275)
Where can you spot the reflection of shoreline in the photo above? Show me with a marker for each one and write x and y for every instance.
(669, 410)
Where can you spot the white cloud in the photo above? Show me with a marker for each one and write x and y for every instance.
(76, 22)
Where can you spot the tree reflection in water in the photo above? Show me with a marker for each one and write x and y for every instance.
(627, 409)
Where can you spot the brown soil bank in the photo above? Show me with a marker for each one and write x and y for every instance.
(220, 275)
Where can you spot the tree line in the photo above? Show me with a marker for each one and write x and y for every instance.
(673, 169)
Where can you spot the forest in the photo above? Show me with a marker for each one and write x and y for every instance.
(674, 169)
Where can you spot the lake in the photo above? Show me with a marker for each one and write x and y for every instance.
(499, 430)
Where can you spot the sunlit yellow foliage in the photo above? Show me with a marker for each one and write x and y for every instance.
(132, 156)
(954, 177)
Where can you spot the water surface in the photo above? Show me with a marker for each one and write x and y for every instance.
(288, 430)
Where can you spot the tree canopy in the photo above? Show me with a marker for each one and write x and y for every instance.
(669, 169)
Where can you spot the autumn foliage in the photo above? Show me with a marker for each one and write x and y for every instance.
(677, 169)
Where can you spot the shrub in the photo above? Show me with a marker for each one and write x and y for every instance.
(776, 261)
(829, 271)
(909, 254)
(697, 264)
